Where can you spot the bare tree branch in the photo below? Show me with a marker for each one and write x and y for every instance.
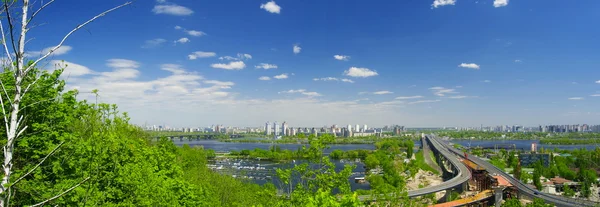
(5, 93)
(61, 194)
(10, 27)
(39, 10)
(8, 54)
(71, 32)
(4, 115)
(38, 165)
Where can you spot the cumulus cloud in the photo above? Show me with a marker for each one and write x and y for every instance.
(297, 49)
(500, 3)
(469, 65)
(236, 65)
(153, 43)
(195, 33)
(71, 69)
(182, 40)
(282, 76)
(408, 97)
(360, 72)
(347, 80)
(576, 98)
(172, 9)
(341, 57)
(271, 7)
(266, 66)
(438, 3)
(301, 91)
(243, 56)
(486, 81)
(60, 51)
(264, 78)
(458, 97)
(177, 27)
(201, 54)
(518, 61)
(598, 81)
(326, 79)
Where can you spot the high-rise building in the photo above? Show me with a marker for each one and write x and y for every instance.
(349, 127)
(276, 128)
(267, 128)
(357, 128)
(365, 128)
(284, 129)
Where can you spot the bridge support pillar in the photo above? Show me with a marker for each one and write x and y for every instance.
(498, 195)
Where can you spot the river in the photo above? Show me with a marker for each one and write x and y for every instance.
(262, 172)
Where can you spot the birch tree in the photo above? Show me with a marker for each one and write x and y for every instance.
(15, 23)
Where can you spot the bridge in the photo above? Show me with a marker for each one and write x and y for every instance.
(524, 190)
(450, 165)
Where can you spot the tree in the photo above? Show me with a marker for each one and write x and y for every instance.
(538, 202)
(371, 161)
(513, 202)
(23, 82)
(567, 191)
(517, 171)
(536, 179)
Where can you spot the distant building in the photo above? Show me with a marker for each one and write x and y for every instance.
(267, 128)
(357, 128)
(349, 127)
(284, 129)
(365, 128)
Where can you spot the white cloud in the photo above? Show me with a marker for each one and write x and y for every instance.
(458, 97)
(271, 7)
(172, 9)
(469, 65)
(408, 97)
(60, 51)
(518, 61)
(595, 95)
(122, 63)
(441, 91)
(424, 101)
(341, 57)
(70, 69)
(301, 91)
(266, 66)
(457, 86)
(576, 98)
(173, 68)
(297, 49)
(326, 79)
(195, 33)
(598, 81)
(237, 65)
(282, 76)
(360, 72)
(500, 3)
(438, 3)
(153, 43)
(177, 27)
(182, 40)
(244, 56)
(161, 1)
(347, 80)
(382, 92)
(221, 84)
(201, 54)
(227, 58)
(264, 78)
(486, 81)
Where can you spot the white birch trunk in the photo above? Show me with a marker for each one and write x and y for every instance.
(14, 111)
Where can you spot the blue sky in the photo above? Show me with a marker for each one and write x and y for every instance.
(398, 62)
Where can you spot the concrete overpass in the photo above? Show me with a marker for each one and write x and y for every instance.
(460, 172)
(522, 187)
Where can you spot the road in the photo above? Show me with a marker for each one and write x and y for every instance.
(523, 188)
(461, 177)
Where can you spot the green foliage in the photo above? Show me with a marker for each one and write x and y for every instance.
(567, 191)
(513, 202)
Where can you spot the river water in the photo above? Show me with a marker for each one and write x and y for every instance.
(262, 172)
(520, 144)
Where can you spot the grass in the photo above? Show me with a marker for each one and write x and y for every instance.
(420, 162)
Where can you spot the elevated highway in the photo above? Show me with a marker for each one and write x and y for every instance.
(461, 177)
(522, 187)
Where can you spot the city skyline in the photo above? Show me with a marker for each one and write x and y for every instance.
(418, 63)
